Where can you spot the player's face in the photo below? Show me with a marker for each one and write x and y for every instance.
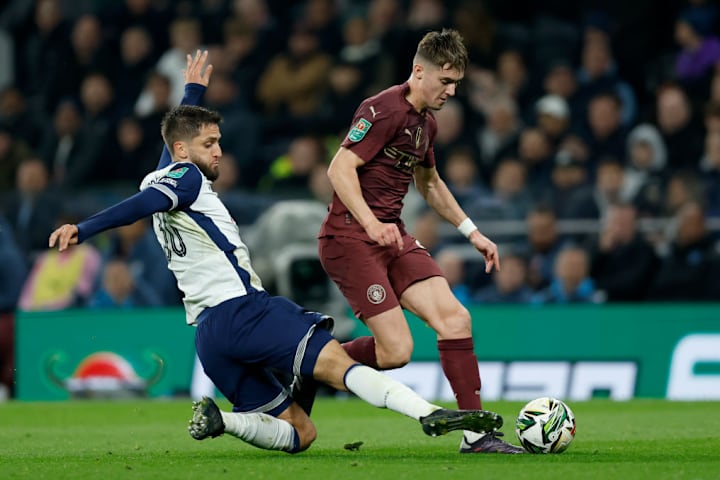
(438, 84)
(205, 151)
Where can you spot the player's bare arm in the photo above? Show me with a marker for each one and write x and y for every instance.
(64, 236)
(344, 179)
(196, 71)
(438, 196)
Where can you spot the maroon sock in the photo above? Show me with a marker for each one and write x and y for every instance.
(362, 349)
(459, 363)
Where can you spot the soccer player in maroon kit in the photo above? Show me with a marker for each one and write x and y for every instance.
(365, 248)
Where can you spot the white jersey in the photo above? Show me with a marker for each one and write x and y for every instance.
(201, 240)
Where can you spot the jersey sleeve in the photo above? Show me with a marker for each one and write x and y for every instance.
(130, 210)
(429, 160)
(181, 184)
(371, 130)
(193, 94)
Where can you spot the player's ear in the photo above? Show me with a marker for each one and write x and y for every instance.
(180, 150)
(418, 71)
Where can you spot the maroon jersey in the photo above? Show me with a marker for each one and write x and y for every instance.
(392, 138)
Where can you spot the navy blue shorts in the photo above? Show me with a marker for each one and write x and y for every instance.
(241, 340)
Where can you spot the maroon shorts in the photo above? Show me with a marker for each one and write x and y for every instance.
(372, 278)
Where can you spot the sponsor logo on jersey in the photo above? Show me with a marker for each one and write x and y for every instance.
(178, 172)
(358, 132)
(376, 294)
(169, 181)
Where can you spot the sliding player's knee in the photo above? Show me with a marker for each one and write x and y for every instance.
(307, 433)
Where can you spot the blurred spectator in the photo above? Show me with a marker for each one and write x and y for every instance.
(683, 187)
(245, 58)
(623, 262)
(644, 177)
(7, 60)
(461, 176)
(136, 245)
(499, 137)
(514, 79)
(593, 203)
(132, 155)
(12, 276)
(185, 38)
(43, 55)
(31, 209)
(537, 153)
(699, 49)
(88, 54)
(603, 131)
(560, 80)
(569, 181)
(552, 115)
(342, 97)
(13, 273)
(244, 207)
(12, 152)
(453, 268)
(23, 124)
(365, 52)
(145, 14)
(452, 130)
(158, 90)
(98, 101)
(543, 244)
(598, 74)
(289, 175)
(509, 284)
(241, 127)
(68, 149)
(323, 17)
(135, 63)
(475, 22)
(509, 198)
(425, 229)
(257, 15)
(118, 289)
(680, 132)
(710, 168)
(60, 280)
(691, 269)
(284, 101)
(571, 282)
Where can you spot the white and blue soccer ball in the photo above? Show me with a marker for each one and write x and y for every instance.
(545, 425)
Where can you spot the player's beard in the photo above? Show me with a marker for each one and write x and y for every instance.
(206, 168)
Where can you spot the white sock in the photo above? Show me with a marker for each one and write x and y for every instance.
(261, 430)
(472, 437)
(384, 392)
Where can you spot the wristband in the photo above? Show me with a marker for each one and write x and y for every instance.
(466, 227)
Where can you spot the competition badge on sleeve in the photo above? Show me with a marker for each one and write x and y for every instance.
(358, 132)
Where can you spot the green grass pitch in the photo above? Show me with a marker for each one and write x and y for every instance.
(641, 439)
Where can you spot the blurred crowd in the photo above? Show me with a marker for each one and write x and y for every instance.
(569, 112)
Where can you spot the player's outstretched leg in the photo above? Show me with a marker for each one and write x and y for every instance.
(443, 421)
(206, 420)
(489, 443)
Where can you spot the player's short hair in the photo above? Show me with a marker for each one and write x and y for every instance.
(441, 48)
(183, 123)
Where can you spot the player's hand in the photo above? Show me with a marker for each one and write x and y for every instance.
(489, 250)
(195, 65)
(385, 234)
(64, 236)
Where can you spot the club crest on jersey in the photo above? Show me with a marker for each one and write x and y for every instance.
(358, 132)
(178, 172)
(376, 294)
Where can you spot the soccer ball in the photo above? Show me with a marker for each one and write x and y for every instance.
(545, 425)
